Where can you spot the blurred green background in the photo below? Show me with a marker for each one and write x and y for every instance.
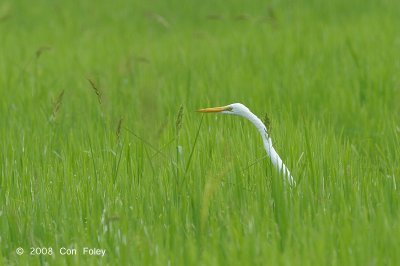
(115, 164)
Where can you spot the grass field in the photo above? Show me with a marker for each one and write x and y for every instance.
(100, 146)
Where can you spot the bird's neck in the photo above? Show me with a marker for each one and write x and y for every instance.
(273, 155)
(262, 130)
(259, 125)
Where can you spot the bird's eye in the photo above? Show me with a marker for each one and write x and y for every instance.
(229, 109)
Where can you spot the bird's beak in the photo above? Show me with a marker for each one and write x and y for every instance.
(213, 109)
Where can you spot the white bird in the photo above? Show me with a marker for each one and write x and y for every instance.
(241, 110)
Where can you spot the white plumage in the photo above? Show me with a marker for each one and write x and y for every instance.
(241, 110)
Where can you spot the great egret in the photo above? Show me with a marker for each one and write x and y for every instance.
(241, 110)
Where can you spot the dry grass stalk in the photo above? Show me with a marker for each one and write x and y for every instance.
(96, 90)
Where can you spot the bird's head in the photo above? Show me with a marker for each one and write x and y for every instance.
(231, 109)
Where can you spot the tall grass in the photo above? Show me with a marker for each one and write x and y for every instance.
(165, 185)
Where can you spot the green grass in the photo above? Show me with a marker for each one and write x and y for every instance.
(189, 193)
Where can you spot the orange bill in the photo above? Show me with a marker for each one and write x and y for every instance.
(212, 110)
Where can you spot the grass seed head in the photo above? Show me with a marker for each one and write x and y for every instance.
(41, 50)
(242, 17)
(96, 90)
(267, 123)
(178, 123)
(118, 131)
(159, 19)
(57, 105)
